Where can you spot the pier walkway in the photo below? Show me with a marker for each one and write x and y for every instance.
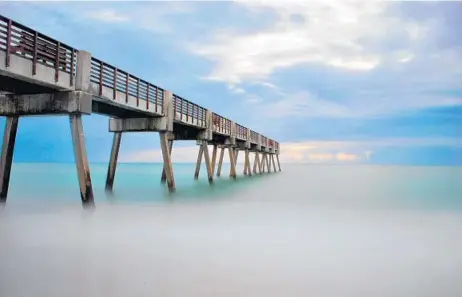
(42, 76)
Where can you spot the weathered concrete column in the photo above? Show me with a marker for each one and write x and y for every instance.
(199, 162)
(208, 162)
(247, 162)
(9, 139)
(81, 159)
(220, 162)
(236, 154)
(83, 74)
(258, 163)
(163, 178)
(214, 158)
(232, 162)
(167, 161)
(255, 162)
(268, 162)
(279, 164)
(263, 162)
(113, 161)
(274, 164)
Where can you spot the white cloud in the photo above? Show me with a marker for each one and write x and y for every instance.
(107, 16)
(333, 33)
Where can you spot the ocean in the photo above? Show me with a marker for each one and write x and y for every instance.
(310, 230)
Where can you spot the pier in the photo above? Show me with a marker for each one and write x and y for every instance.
(42, 76)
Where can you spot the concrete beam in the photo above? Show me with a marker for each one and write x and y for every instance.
(41, 104)
(138, 124)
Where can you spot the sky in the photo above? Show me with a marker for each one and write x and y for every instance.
(344, 82)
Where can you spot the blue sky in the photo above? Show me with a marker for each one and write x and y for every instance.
(337, 82)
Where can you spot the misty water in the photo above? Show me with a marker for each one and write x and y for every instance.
(306, 231)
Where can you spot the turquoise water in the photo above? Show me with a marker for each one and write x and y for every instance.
(344, 186)
(324, 231)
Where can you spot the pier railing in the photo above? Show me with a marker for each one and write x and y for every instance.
(122, 84)
(19, 40)
(241, 132)
(187, 112)
(253, 136)
(221, 124)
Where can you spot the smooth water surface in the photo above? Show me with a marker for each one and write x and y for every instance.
(305, 231)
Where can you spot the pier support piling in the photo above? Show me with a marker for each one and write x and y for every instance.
(247, 170)
(279, 164)
(208, 162)
(163, 178)
(274, 164)
(214, 158)
(263, 162)
(268, 162)
(81, 159)
(199, 162)
(232, 162)
(113, 161)
(9, 139)
(168, 167)
(256, 163)
(220, 162)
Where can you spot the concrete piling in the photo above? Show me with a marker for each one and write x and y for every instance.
(113, 161)
(81, 160)
(220, 162)
(208, 162)
(247, 163)
(232, 162)
(255, 162)
(167, 161)
(279, 164)
(258, 163)
(214, 158)
(163, 178)
(198, 163)
(9, 139)
(274, 164)
(263, 162)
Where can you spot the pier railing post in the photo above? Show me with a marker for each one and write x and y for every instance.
(9, 139)
(113, 161)
(81, 159)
